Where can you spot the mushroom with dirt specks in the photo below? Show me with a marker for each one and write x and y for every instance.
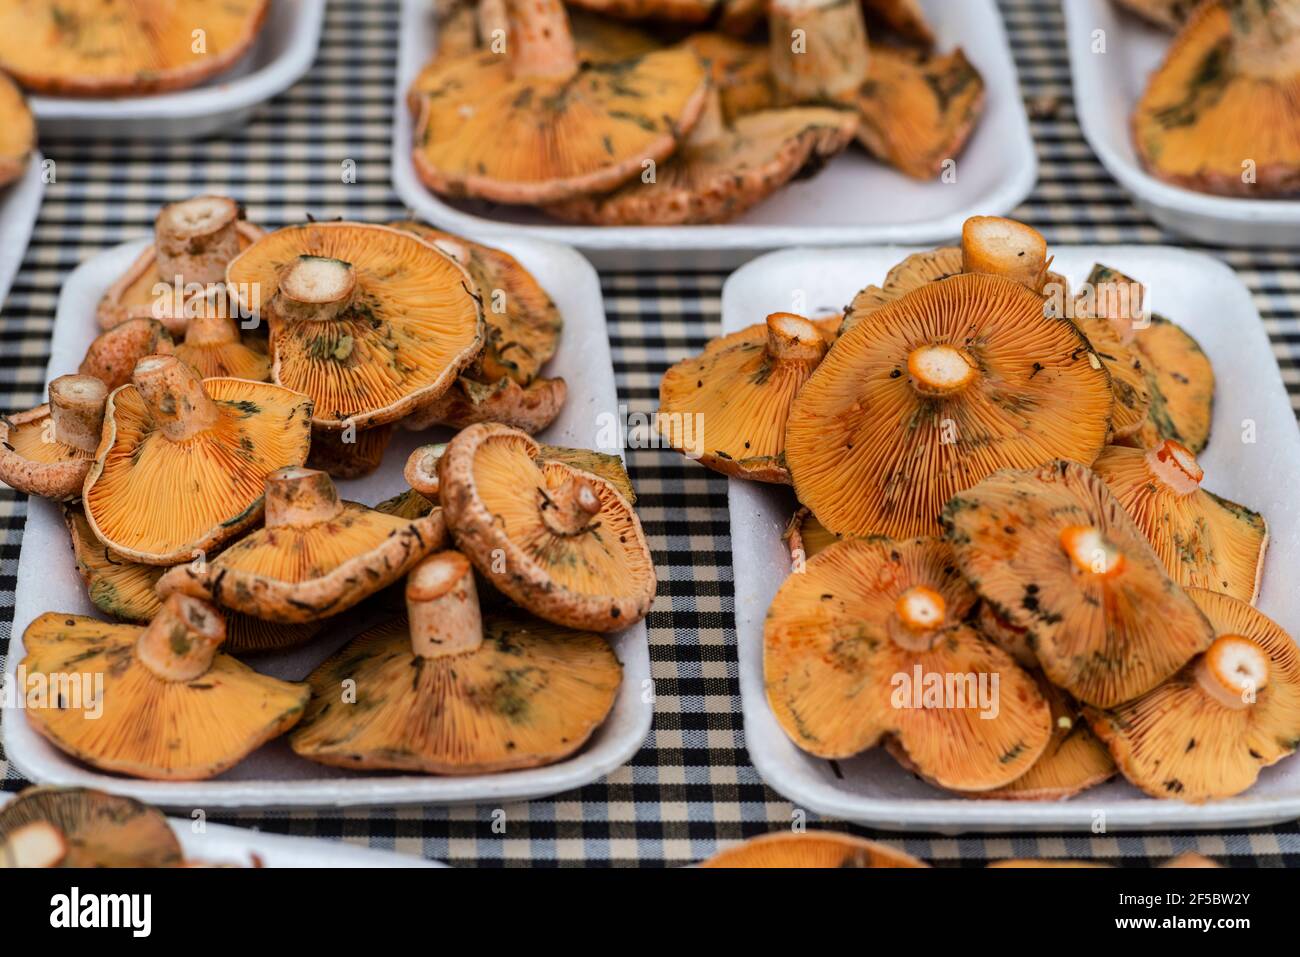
(812, 849)
(48, 451)
(96, 829)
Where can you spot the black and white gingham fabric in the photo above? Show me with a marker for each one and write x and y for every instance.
(691, 789)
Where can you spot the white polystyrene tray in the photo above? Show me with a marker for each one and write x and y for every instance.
(282, 52)
(1107, 87)
(853, 200)
(1205, 297)
(20, 204)
(274, 776)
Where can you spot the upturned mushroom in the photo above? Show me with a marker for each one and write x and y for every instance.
(182, 273)
(213, 347)
(421, 474)
(869, 641)
(563, 543)
(171, 707)
(94, 829)
(728, 407)
(112, 356)
(48, 450)
(1052, 551)
(954, 381)
(205, 446)
(17, 131)
(317, 556)
(538, 125)
(811, 849)
(106, 48)
(1205, 733)
(530, 408)
(723, 169)
(368, 321)
(1204, 541)
(1222, 113)
(446, 691)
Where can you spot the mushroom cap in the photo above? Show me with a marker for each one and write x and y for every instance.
(100, 830)
(151, 727)
(1203, 540)
(413, 321)
(215, 349)
(37, 455)
(258, 428)
(873, 449)
(1214, 103)
(1177, 741)
(904, 18)
(833, 658)
(320, 562)
(1181, 383)
(135, 295)
(484, 132)
(531, 694)
(349, 459)
(1129, 379)
(1053, 551)
(738, 70)
(123, 47)
(1170, 14)
(728, 406)
(609, 467)
(408, 505)
(913, 272)
(523, 323)
(810, 849)
(599, 39)
(112, 356)
(722, 177)
(918, 109)
(563, 543)
(529, 408)
(17, 131)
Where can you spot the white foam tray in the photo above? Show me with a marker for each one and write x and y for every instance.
(1205, 297)
(853, 200)
(1107, 87)
(274, 776)
(20, 204)
(283, 51)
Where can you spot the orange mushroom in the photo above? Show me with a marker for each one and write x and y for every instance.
(94, 829)
(213, 347)
(17, 131)
(48, 450)
(112, 356)
(529, 408)
(349, 454)
(810, 849)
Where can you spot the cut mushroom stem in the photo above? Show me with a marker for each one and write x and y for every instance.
(541, 44)
(710, 127)
(315, 288)
(442, 607)
(939, 369)
(37, 844)
(210, 328)
(298, 497)
(183, 638)
(1003, 247)
(1233, 671)
(77, 408)
(1091, 552)
(421, 470)
(1265, 37)
(196, 239)
(818, 49)
(569, 510)
(1173, 464)
(918, 614)
(794, 338)
(175, 396)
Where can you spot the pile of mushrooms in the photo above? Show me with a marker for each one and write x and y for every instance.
(997, 481)
(195, 454)
(602, 123)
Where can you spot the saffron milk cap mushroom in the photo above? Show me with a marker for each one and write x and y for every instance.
(95, 829)
(811, 849)
(113, 354)
(48, 450)
(445, 690)
(17, 131)
(214, 347)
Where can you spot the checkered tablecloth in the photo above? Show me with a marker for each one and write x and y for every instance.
(691, 788)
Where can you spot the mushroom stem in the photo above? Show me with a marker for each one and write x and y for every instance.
(918, 614)
(298, 497)
(196, 239)
(818, 50)
(492, 17)
(939, 369)
(77, 408)
(175, 396)
(1265, 37)
(541, 44)
(1174, 466)
(568, 511)
(315, 288)
(183, 638)
(710, 127)
(793, 338)
(996, 246)
(35, 844)
(209, 328)
(421, 470)
(442, 607)
(1091, 552)
(1233, 671)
